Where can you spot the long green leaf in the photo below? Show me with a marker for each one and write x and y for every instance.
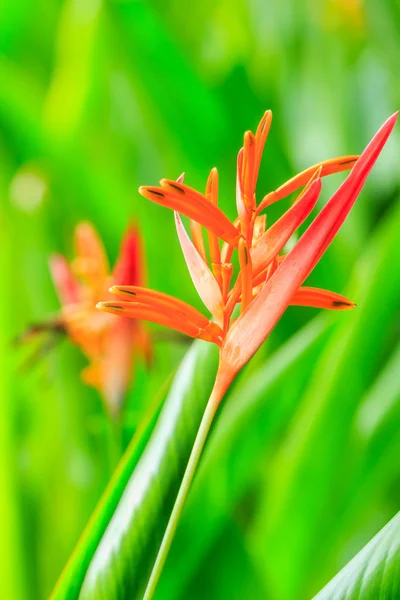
(374, 574)
(253, 418)
(123, 559)
(70, 581)
(306, 488)
(12, 573)
(242, 444)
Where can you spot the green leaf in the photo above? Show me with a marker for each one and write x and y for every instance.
(12, 559)
(122, 560)
(253, 418)
(70, 581)
(305, 490)
(374, 573)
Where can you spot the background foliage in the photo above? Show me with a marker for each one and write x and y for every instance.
(303, 465)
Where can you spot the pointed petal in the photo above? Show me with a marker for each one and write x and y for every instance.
(328, 167)
(245, 275)
(130, 266)
(194, 205)
(260, 226)
(248, 168)
(227, 249)
(261, 137)
(275, 238)
(196, 230)
(203, 279)
(240, 203)
(226, 273)
(66, 285)
(133, 310)
(91, 262)
(212, 187)
(197, 237)
(252, 153)
(319, 298)
(165, 303)
(213, 243)
(157, 315)
(253, 327)
(116, 364)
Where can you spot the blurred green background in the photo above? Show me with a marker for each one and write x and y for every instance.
(97, 98)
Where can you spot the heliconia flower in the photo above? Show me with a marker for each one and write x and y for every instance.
(109, 344)
(267, 281)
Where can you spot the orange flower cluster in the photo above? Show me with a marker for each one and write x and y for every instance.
(109, 344)
(267, 281)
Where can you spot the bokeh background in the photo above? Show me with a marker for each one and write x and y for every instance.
(98, 97)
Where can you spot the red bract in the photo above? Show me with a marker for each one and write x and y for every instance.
(267, 282)
(109, 344)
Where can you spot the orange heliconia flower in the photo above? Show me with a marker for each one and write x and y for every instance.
(267, 281)
(109, 343)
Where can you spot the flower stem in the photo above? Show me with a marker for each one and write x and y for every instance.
(194, 458)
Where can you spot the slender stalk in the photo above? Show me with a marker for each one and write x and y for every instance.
(194, 458)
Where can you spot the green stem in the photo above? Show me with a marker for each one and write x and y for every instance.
(194, 458)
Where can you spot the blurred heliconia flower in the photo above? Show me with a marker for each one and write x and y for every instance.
(267, 281)
(110, 344)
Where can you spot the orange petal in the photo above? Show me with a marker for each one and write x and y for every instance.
(252, 327)
(260, 225)
(240, 203)
(91, 376)
(248, 169)
(275, 238)
(165, 303)
(194, 205)
(154, 314)
(197, 237)
(319, 298)
(195, 229)
(261, 137)
(92, 263)
(226, 273)
(245, 275)
(328, 167)
(227, 249)
(143, 343)
(213, 243)
(116, 363)
(203, 279)
(212, 187)
(68, 289)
